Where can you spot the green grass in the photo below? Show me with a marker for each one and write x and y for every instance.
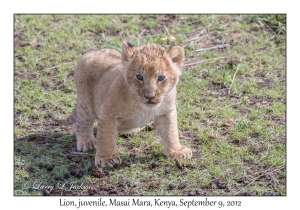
(241, 133)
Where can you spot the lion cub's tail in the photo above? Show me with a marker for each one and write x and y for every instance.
(63, 121)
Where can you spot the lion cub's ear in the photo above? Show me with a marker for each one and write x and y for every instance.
(127, 51)
(176, 53)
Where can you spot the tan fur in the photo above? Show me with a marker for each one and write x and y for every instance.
(109, 92)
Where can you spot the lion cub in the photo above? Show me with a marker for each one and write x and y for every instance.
(123, 92)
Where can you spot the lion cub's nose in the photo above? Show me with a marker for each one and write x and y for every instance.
(149, 96)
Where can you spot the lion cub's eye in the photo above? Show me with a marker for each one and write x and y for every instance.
(161, 78)
(139, 77)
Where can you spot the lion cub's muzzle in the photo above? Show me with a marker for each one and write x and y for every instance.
(150, 98)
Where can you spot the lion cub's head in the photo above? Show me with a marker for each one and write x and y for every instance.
(151, 71)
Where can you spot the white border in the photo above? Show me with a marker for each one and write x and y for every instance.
(162, 6)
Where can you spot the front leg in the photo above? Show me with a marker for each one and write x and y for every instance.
(106, 144)
(166, 126)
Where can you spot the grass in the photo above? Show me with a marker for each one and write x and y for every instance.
(231, 105)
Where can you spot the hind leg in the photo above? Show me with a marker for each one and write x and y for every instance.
(84, 134)
(84, 130)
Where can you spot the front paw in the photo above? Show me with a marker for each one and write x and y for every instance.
(107, 160)
(182, 152)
